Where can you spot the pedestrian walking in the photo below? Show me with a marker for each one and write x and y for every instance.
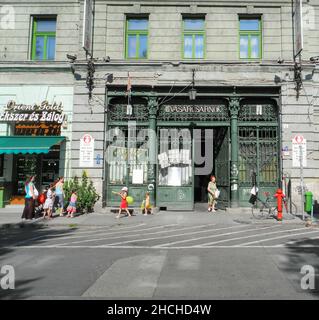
(212, 188)
(71, 209)
(31, 194)
(59, 194)
(48, 204)
(124, 205)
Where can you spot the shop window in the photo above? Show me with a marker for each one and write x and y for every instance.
(175, 165)
(137, 38)
(128, 163)
(193, 38)
(43, 38)
(26, 166)
(250, 38)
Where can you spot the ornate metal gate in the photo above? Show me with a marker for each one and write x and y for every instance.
(258, 150)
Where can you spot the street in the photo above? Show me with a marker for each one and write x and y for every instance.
(163, 256)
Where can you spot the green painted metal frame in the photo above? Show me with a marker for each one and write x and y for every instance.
(46, 35)
(147, 95)
(193, 33)
(136, 33)
(258, 33)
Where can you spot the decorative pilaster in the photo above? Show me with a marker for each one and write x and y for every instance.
(152, 109)
(234, 104)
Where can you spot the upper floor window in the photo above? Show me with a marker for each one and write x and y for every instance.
(193, 38)
(250, 39)
(43, 38)
(136, 38)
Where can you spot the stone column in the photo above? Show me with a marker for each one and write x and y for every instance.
(153, 146)
(234, 104)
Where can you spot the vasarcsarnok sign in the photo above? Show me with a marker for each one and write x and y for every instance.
(43, 112)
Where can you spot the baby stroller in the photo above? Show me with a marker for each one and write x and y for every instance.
(39, 205)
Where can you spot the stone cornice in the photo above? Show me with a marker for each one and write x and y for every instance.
(31, 66)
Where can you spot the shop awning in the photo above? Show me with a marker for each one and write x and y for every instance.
(28, 144)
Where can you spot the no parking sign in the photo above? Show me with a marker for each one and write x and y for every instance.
(299, 151)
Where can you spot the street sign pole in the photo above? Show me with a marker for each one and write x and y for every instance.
(301, 181)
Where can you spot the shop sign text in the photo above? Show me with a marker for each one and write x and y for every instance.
(43, 112)
(194, 109)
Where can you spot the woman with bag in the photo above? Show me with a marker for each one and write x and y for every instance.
(212, 194)
(31, 193)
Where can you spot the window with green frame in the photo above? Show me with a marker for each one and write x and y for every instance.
(136, 38)
(250, 38)
(193, 38)
(43, 38)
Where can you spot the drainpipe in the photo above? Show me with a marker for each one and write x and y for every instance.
(104, 168)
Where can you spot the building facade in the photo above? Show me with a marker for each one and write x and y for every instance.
(192, 88)
(36, 93)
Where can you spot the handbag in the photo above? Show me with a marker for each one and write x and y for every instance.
(217, 193)
(252, 199)
(35, 192)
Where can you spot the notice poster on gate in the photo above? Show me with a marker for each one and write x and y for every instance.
(87, 151)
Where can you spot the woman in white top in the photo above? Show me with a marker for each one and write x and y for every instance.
(48, 204)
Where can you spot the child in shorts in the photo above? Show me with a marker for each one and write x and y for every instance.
(71, 209)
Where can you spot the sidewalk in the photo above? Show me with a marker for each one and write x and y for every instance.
(10, 217)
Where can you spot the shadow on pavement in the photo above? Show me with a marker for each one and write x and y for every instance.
(303, 253)
(11, 254)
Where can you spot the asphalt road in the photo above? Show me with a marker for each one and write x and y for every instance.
(162, 258)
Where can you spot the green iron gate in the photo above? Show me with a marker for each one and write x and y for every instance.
(258, 153)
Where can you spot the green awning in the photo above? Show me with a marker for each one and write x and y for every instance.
(28, 144)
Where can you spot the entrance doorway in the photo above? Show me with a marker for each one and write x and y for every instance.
(211, 156)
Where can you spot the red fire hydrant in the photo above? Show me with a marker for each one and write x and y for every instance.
(279, 195)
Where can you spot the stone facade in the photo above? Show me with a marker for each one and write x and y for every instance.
(165, 67)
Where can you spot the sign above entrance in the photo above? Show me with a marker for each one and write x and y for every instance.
(193, 109)
(42, 112)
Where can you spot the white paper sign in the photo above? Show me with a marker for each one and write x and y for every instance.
(174, 176)
(137, 176)
(297, 142)
(163, 160)
(87, 151)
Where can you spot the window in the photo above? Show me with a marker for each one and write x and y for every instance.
(136, 38)
(193, 38)
(125, 161)
(43, 39)
(250, 38)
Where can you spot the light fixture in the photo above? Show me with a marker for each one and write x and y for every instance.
(71, 57)
(129, 110)
(192, 92)
(314, 59)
